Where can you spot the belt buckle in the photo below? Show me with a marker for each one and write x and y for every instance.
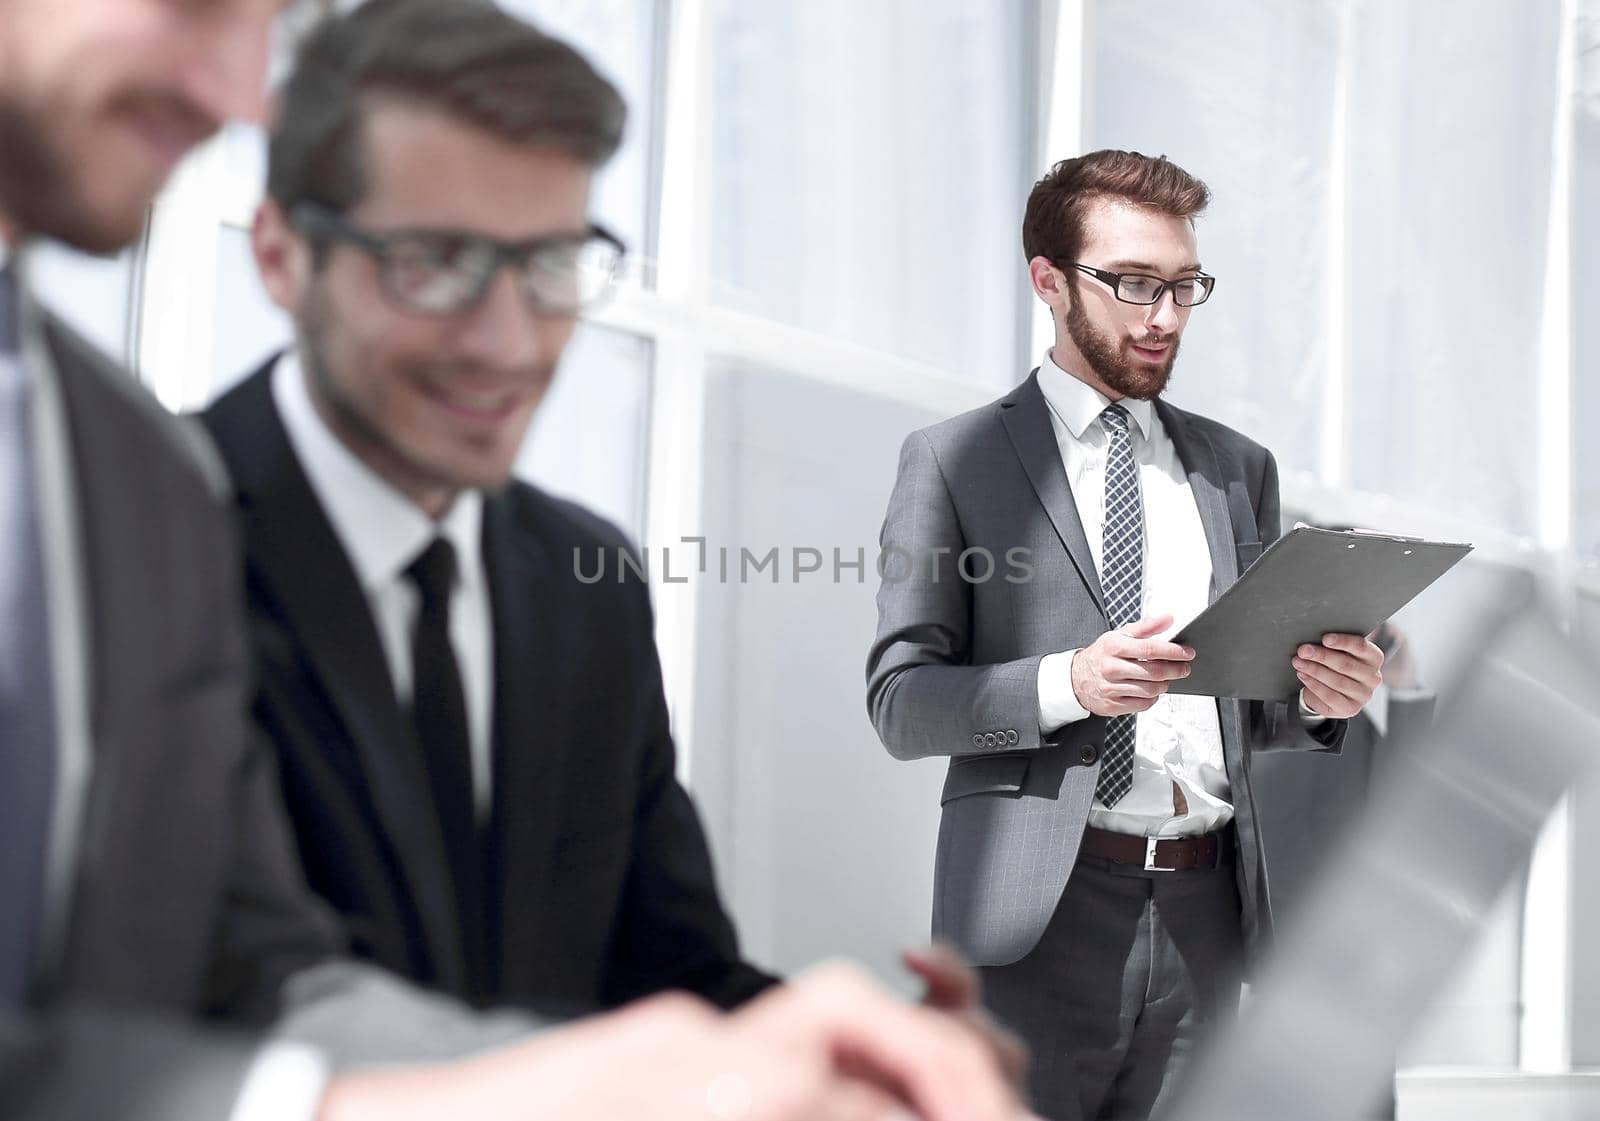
(1150, 864)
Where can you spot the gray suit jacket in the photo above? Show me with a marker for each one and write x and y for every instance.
(954, 668)
(179, 909)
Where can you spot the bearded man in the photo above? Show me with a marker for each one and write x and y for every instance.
(1098, 851)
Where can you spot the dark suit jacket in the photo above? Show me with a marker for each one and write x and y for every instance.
(185, 901)
(1307, 801)
(603, 889)
(954, 669)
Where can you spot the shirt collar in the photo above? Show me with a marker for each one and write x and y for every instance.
(381, 529)
(1079, 404)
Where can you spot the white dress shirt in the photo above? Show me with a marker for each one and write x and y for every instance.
(1178, 741)
(382, 532)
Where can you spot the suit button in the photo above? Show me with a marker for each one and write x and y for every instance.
(1089, 752)
(988, 739)
(1011, 737)
(977, 740)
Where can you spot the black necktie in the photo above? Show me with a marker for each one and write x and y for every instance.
(439, 712)
(27, 699)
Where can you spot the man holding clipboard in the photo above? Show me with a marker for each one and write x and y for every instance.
(1098, 852)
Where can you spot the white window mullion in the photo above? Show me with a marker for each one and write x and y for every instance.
(1556, 907)
(1062, 73)
(677, 414)
(1332, 468)
(1555, 367)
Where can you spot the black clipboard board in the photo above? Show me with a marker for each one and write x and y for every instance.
(1310, 582)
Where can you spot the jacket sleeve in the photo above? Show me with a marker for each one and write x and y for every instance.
(269, 924)
(86, 1065)
(924, 696)
(1410, 716)
(673, 931)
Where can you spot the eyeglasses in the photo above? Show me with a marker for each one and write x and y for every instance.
(1136, 288)
(446, 272)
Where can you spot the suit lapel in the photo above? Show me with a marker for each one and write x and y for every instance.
(1199, 458)
(533, 620)
(295, 557)
(1026, 418)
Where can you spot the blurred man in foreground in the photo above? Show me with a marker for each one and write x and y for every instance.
(146, 868)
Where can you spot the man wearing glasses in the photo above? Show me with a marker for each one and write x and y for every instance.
(154, 926)
(474, 743)
(1098, 852)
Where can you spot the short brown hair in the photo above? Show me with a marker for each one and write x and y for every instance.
(465, 57)
(1052, 225)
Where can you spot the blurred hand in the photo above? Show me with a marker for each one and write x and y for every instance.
(1126, 670)
(953, 989)
(828, 1046)
(1340, 675)
(667, 1058)
(927, 1062)
(1399, 665)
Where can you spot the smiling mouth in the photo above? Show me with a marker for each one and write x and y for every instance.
(480, 408)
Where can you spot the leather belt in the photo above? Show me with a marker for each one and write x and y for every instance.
(1156, 854)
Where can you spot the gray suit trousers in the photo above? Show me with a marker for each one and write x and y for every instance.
(1135, 971)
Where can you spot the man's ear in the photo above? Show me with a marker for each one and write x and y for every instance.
(1048, 282)
(283, 256)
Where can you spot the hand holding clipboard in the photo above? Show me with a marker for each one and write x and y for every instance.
(1309, 583)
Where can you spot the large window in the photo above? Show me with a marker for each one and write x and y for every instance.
(622, 37)
(876, 197)
(1448, 207)
(1242, 96)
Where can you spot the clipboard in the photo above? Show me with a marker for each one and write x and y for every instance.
(1310, 582)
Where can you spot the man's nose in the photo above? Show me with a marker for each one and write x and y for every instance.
(1163, 314)
(507, 330)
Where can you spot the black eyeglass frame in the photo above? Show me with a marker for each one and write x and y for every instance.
(1113, 280)
(322, 222)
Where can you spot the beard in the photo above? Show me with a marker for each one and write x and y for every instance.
(38, 195)
(315, 326)
(1112, 358)
(47, 189)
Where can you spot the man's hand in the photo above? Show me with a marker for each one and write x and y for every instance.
(1126, 670)
(828, 1046)
(1399, 664)
(1340, 675)
(953, 989)
(923, 1060)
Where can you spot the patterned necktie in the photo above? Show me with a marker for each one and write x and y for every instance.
(439, 711)
(27, 705)
(1122, 578)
